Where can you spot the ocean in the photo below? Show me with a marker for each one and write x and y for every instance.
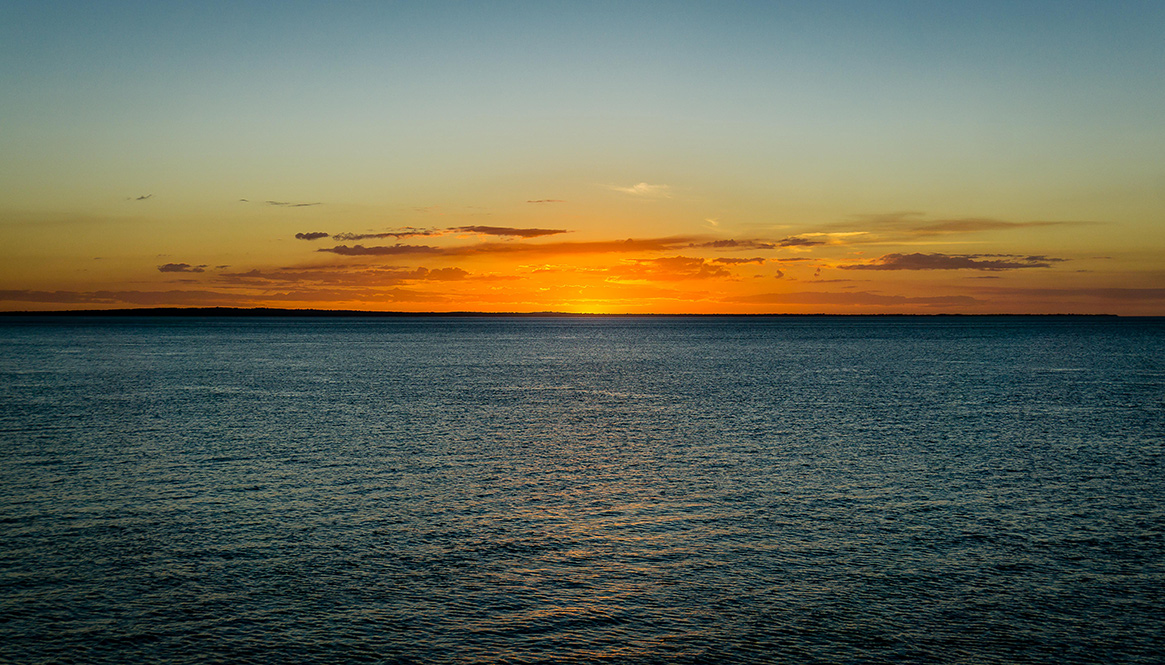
(582, 489)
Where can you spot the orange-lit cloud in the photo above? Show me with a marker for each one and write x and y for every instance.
(670, 269)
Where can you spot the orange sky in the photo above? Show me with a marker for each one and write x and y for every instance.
(671, 158)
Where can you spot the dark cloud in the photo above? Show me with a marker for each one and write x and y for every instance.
(794, 241)
(288, 204)
(733, 261)
(395, 250)
(145, 197)
(734, 244)
(181, 267)
(311, 235)
(595, 247)
(545, 249)
(348, 275)
(408, 232)
(919, 261)
(508, 231)
(547, 201)
(445, 274)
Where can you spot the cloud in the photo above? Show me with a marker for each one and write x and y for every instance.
(1103, 294)
(407, 232)
(858, 298)
(645, 190)
(735, 244)
(183, 298)
(547, 201)
(918, 261)
(410, 232)
(977, 225)
(734, 261)
(909, 222)
(546, 249)
(311, 235)
(671, 268)
(395, 250)
(446, 274)
(181, 267)
(348, 275)
(507, 231)
(145, 197)
(288, 204)
(794, 241)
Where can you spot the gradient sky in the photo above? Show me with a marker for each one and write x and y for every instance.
(673, 157)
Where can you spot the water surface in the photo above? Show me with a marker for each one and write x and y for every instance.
(630, 490)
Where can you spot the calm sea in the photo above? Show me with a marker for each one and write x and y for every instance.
(624, 490)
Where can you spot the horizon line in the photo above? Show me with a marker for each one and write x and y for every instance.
(351, 313)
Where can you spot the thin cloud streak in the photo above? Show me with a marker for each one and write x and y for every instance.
(645, 190)
(855, 298)
(919, 261)
(507, 231)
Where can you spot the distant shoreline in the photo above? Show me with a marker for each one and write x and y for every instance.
(352, 313)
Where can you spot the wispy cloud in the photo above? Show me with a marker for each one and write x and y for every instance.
(645, 190)
(794, 241)
(734, 261)
(670, 268)
(395, 250)
(412, 232)
(346, 275)
(732, 244)
(1101, 294)
(181, 267)
(507, 231)
(913, 223)
(499, 248)
(918, 261)
(547, 201)
(311, 235)
(407, 232)
(856, 298)
(288, 204)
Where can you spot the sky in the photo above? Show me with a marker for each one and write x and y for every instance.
(605, 157)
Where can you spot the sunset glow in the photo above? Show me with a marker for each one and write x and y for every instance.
(654, 158)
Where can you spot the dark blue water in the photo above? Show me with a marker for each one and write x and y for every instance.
(432, 490)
